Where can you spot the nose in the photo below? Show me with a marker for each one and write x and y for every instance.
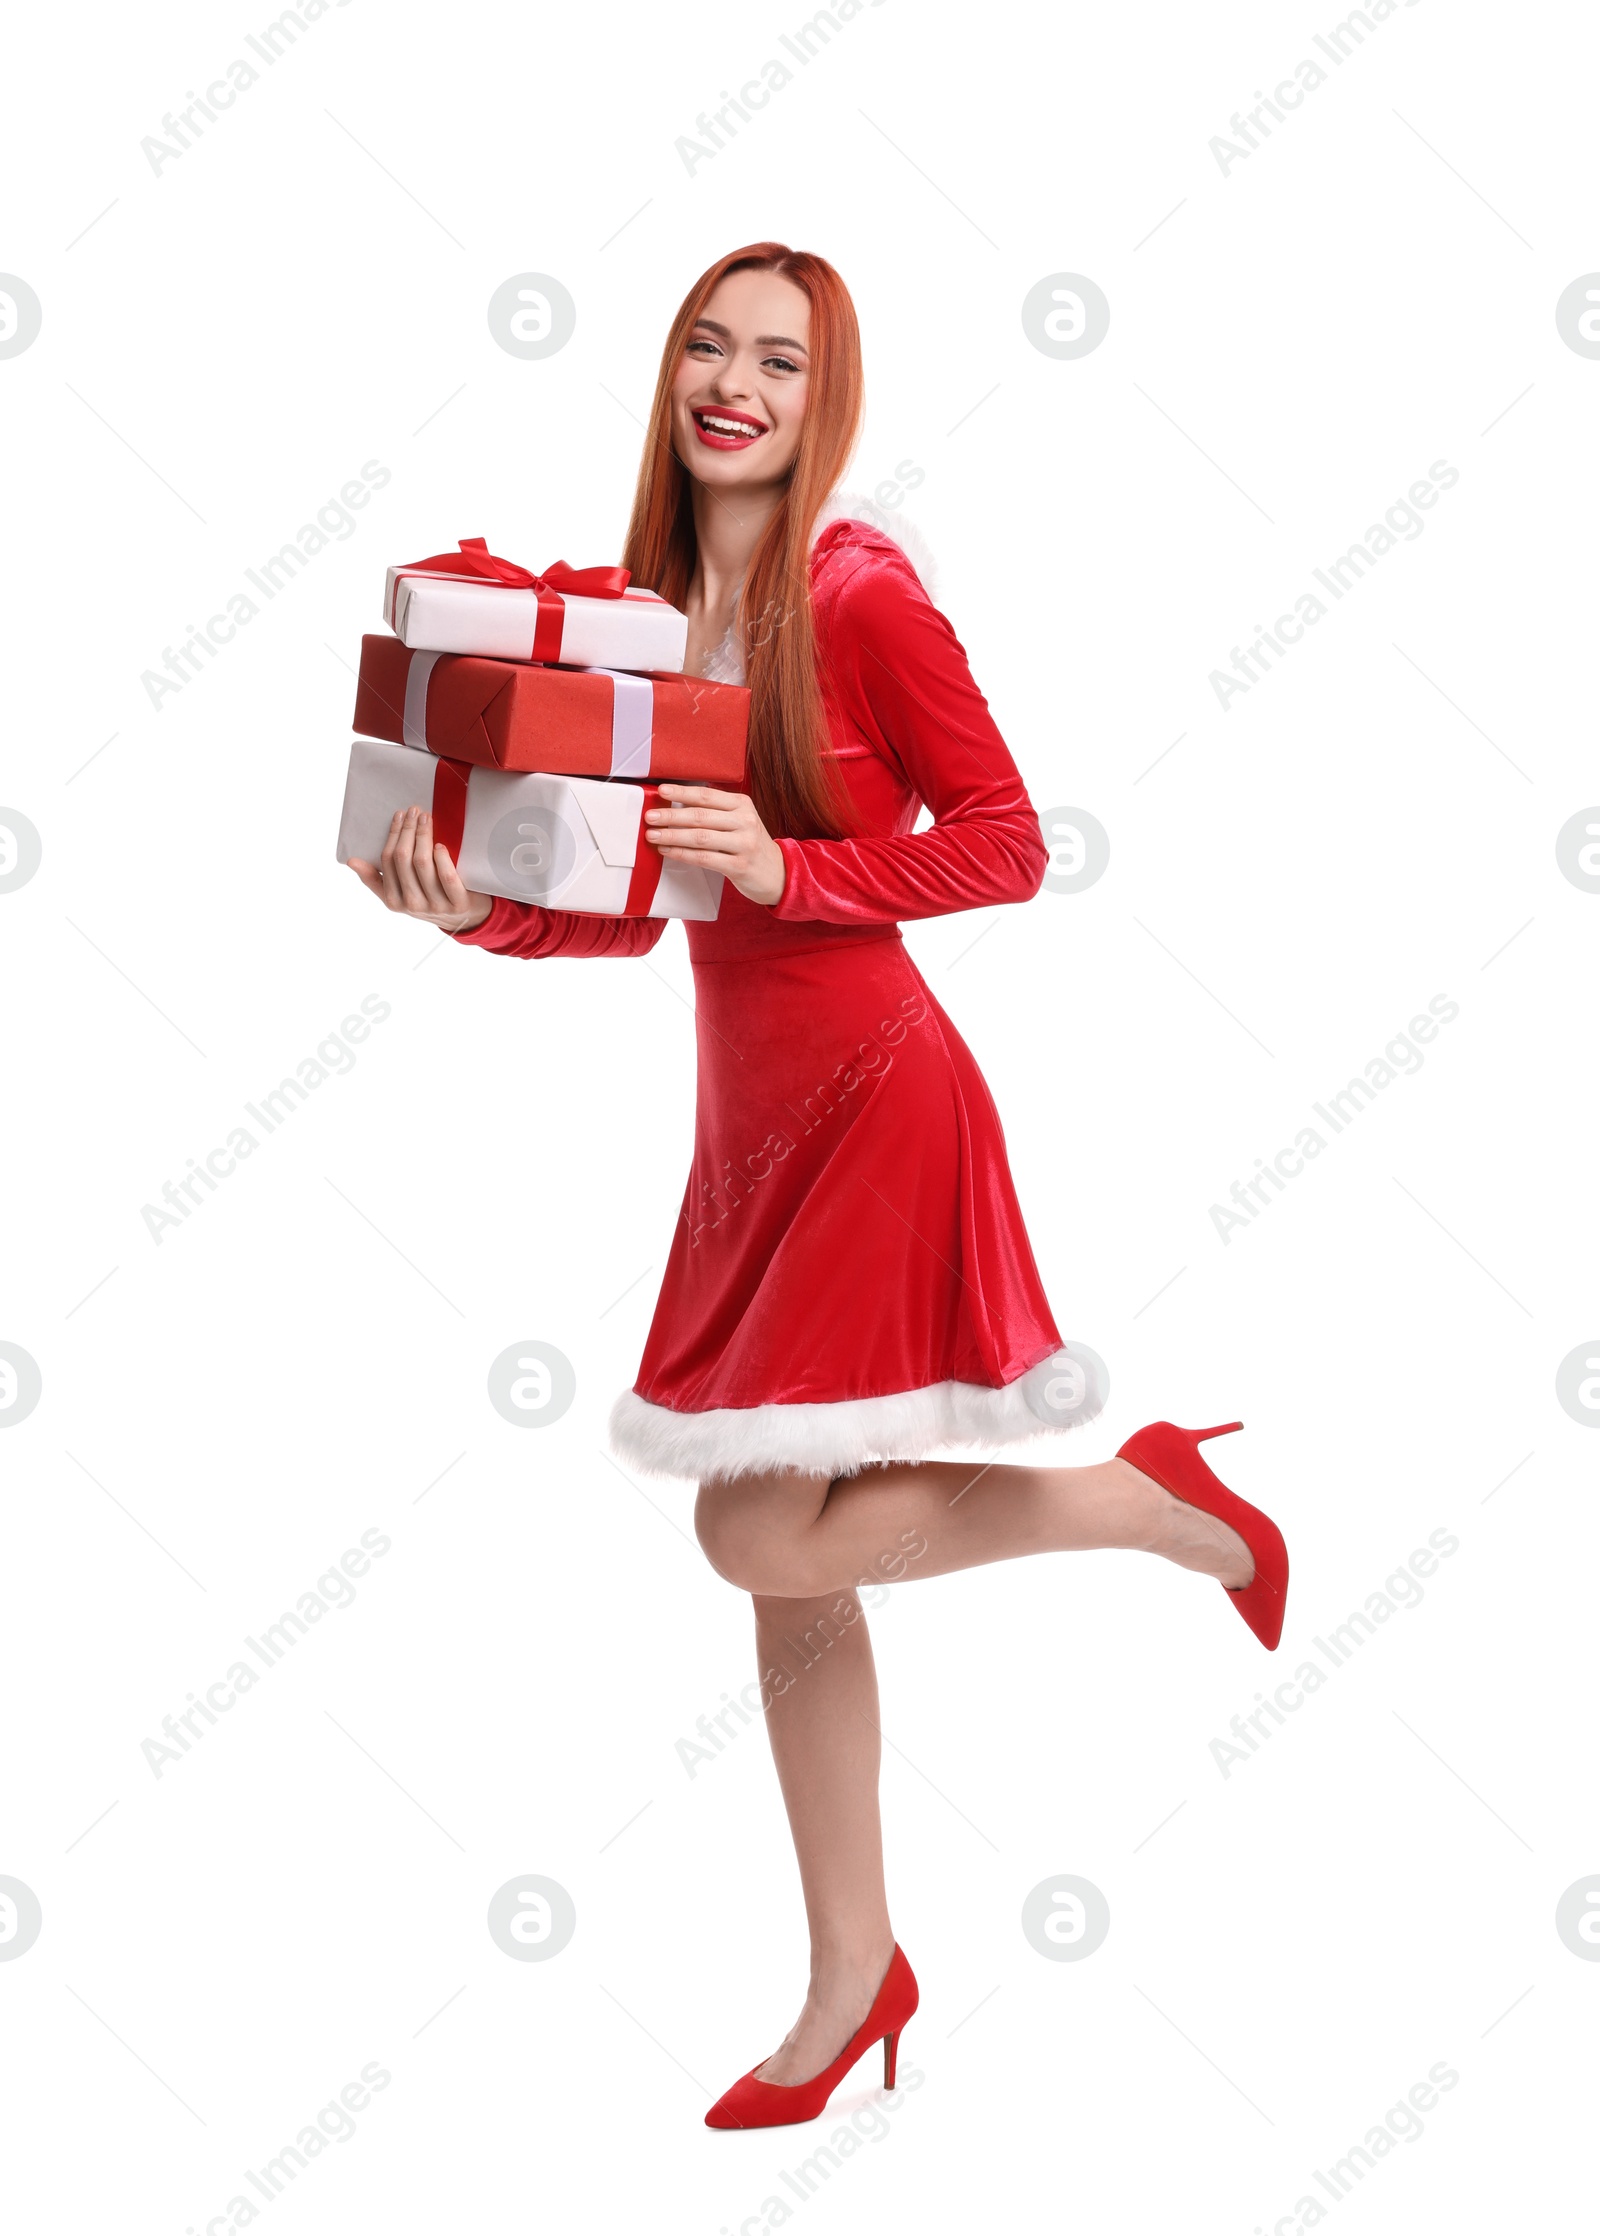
(734, 378)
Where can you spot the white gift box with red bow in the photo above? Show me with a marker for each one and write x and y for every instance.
(568, 842)
(462, 613)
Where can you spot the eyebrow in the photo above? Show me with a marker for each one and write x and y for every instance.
(764, 341)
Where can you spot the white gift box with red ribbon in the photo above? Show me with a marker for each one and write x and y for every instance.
(567, 842)
(462, 613)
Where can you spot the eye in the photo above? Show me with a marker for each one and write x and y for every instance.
(702, 341)
(781, 364)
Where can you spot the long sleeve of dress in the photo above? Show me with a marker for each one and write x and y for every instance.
(898, 683)
(540, 934)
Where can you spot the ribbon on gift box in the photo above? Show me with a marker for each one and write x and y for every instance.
(633, 709)
(648, 864)
(551, 589)
(632, 713)
(450, 782)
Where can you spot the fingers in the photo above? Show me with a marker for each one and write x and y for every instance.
(388, 867)
(457, 899)
(400, 852)
(427, 874)
(698, 844)
(416, 876)
(708, 854)
(702, 795)
(720, 830)
(723, 841)
(726, 860)
(693, 818)
(708, 829)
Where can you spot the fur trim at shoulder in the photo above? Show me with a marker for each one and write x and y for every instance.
(1065, 1391)
(844, 504)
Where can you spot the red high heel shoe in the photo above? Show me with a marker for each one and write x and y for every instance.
(1172, 1456)
(753, 2103)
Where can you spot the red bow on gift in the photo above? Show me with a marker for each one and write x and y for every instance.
(552, 588)
(475, 558)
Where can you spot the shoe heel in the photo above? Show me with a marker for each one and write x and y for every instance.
(891, 2051)
(1199, 1436)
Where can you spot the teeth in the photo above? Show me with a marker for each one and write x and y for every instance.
(727, 426)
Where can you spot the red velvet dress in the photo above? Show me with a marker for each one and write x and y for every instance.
(850, 1279)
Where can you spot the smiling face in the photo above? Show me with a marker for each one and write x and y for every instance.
(740, 391)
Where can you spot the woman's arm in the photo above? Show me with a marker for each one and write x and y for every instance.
(417, 878)
(894, 663)
(893, 668)
(540, 934)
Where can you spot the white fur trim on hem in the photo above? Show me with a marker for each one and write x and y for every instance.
(1064, 1391)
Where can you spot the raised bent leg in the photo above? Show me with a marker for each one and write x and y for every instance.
(796, 1535)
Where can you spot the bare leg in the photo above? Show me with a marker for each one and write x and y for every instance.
(815, 1660)
(795, 1536)
(799, 1544)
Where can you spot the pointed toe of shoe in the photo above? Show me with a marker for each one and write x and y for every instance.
(1263, 1600)
(1264, 1616)
(753, 2103)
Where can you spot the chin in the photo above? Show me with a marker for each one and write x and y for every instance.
(724, 471)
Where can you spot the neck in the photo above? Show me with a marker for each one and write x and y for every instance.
(727, 528)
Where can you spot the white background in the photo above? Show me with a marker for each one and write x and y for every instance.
(225, 1411)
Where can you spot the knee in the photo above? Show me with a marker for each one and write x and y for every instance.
(752, 1539)
(729, 1539)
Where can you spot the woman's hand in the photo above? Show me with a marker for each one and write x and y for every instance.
(417, 877)
(719, 831)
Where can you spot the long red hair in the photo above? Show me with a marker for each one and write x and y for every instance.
(792, 784)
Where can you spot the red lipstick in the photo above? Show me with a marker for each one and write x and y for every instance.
(726, 430)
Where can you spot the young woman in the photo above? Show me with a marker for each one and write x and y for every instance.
(850, 1285)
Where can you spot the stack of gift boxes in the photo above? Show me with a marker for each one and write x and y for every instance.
(534, 715)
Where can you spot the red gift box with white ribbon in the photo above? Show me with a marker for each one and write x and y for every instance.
(472, 601)
(556, 841)
(566, 721)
